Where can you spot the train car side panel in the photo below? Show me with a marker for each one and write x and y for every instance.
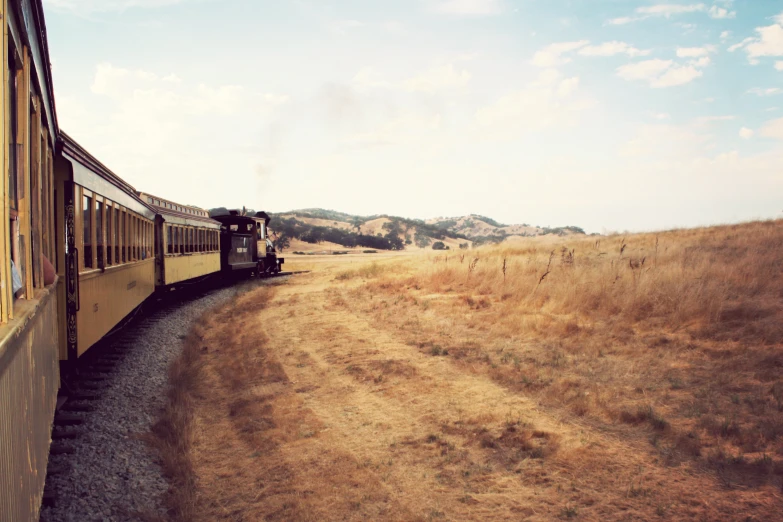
(182, 268)
(29, 369)
(29, 379)
(105, 298)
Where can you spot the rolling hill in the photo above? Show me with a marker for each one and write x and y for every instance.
(327, 229)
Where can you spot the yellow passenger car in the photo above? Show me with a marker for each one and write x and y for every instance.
(107, 258)
(187, 242)
(29, 371)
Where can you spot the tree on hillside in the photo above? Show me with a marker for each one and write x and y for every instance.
(281, 242)
(422, 240)
(439, 245)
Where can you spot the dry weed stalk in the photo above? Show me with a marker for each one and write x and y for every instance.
(548, 268)
(472, 266)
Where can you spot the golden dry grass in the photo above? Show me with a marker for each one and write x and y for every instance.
(612, 378)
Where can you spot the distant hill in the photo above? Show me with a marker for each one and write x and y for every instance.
(316, 226)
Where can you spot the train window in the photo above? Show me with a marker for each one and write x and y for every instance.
(190, 240)
(87, 231)
(169, 246)
(137, 239)
(109, 236)
(124, 234)
(150, 201)
(117, 236)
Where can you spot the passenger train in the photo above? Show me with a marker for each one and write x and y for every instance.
(80, 250)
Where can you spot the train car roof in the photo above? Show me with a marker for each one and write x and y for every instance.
(27, 25)
(94, 175)
(231, 218)
(179, 214)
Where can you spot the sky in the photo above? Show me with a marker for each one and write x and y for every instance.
(612, 115)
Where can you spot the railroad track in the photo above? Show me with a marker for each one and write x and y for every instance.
(85, 385)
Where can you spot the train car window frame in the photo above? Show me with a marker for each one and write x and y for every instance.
(87, 243)
(169, 246)
(118, 238)
(124, 238)
(109, 233)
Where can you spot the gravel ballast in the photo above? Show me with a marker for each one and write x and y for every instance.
(111, 474)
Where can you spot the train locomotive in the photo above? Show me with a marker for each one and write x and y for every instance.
(244, 246)
(81, 249)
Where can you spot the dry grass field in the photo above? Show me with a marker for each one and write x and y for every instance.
(611, 378)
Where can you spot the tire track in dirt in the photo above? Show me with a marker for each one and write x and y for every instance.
(334, 417)
(447, 442)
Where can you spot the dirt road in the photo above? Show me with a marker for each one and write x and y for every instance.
(312, 408)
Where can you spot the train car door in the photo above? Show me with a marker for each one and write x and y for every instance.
(67, 260)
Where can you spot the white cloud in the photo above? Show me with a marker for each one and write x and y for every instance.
(408, 128)
(567, 87)
(645, 70)
(772, 129)
(667, 73)
(467, 7)
(770, 91)
(368, 78)
(769, 41)
(343, 26)
(150, 124)
(551, 55)
(746, 133)
(438, 78)
(779, 66)
(276, 99)
(677, 75)
(661, 116)
(394, 27)
(702, 62)
(669, 10)
(725, 35)
(710, 119)
(720, 13)
(695, 52)
(104, 6)
(623, 20)
(546, 103)
(611, 49)
(662, 139)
